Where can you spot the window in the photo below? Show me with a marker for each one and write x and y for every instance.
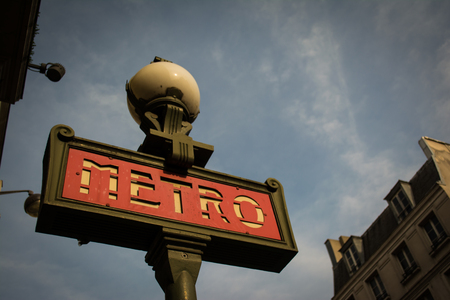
(401, 200)
(406, 261)
(426, 296)
(352, 258)
(402, 205)
(353, 254)
(378, 288)
(434, 231)
(447, 275)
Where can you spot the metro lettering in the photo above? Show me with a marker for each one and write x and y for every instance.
(140, 185)
(149, 191)
(210, 201)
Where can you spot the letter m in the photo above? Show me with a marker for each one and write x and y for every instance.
(90, 177)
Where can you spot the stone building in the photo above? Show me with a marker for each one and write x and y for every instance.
(405, 253)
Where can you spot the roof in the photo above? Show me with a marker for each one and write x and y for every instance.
(435, 171)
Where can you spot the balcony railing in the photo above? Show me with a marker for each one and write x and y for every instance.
(437, 241)
(383, 296)
(409, 272)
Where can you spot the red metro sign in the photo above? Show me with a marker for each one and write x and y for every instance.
(93, 192)
(124, 185)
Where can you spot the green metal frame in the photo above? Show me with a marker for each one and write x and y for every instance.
(90, 222)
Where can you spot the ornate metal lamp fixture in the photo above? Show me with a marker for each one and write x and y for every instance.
(164, 99)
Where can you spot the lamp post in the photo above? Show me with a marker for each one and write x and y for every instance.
(164, 99)
(161, 199)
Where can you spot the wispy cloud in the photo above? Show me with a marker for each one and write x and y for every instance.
(442, 105)
(327, 116)
(420, 30)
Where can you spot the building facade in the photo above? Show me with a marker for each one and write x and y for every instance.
(405, 253)
(17, 26)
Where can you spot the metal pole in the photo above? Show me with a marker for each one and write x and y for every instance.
(176, 257)
(183, 270)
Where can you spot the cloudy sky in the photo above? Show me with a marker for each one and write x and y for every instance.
(328, 97)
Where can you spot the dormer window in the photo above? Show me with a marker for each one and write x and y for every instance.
(400, 200)
(353, 258)
(402, 205)
(353, 253)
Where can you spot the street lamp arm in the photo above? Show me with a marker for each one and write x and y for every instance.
(41, 68)
(18, 191)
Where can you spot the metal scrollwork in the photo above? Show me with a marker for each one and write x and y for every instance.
(272, 184)
(65, 133)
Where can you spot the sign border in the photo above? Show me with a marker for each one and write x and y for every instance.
(91, 222)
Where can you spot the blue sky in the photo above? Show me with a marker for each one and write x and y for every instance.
(328, 97)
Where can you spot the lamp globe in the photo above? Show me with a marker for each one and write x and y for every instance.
(160, 80)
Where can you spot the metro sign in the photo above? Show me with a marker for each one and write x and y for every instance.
(101, 193)
(150, 191)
